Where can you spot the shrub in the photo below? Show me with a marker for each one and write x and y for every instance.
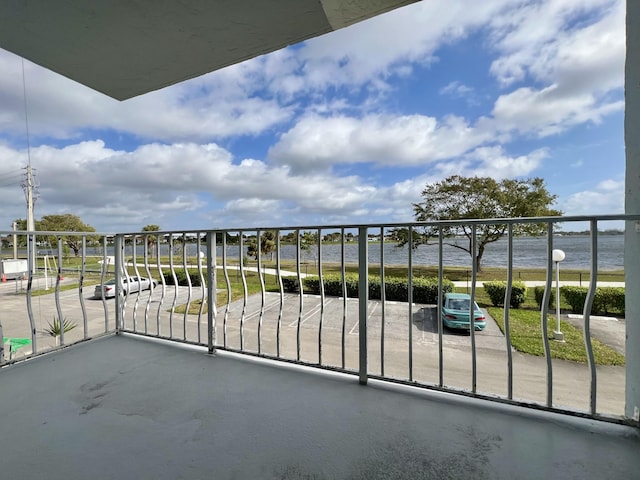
(575, 297)
(290, 284)
(181, 276)
(605, 300)
(425, 290)
(497, 290)
(539, 294)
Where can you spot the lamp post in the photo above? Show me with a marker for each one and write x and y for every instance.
(558, 256)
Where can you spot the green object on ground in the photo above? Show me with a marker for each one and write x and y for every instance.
(16, 343)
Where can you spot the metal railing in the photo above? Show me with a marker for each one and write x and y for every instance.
(249, 291)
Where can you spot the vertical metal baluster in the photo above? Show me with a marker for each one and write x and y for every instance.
(301, 291)
(244, 291)
(410, 300)
(103, 272)
(545, 312)
(363, 303)
(226, 278)
(322, 299)
(344, 294)
(262, 291)
(125, 272)
(81, 284)
(280, 287)
(383, 296)
(175, 285)
(507, 305)
(147, 270)
(439, 312)
(134, 259)
(593, 284)
(57, 292)
(164, 286)
(203, 282)
(472, 310)
(189, 286)
(31, 262)
(118, 250)
(211, 290)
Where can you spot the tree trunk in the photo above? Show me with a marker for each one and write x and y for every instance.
(479, 258)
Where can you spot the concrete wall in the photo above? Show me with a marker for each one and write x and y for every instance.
(632, 206)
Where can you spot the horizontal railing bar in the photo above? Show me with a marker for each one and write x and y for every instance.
(481, 221)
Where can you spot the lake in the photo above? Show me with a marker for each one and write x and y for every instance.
(527, 252)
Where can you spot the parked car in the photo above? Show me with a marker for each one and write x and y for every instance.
(455, 312)
(131, 285)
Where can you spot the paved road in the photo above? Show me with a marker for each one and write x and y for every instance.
(320, 332)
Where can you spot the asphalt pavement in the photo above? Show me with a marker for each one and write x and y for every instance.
(406, 345)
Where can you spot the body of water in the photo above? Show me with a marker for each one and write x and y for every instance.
(527, 252)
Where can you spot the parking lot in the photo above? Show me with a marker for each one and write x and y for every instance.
(406, 348)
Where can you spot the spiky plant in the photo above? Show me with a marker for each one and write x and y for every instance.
(55, 328)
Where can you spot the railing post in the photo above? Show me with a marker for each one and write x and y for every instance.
(1, 345)
(57, 292)
(363, 301)
(211, 287)
(118, 271)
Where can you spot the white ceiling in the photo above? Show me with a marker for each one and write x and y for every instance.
(125, 48)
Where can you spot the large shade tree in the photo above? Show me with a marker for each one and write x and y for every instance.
(61, 223)
(459, 198)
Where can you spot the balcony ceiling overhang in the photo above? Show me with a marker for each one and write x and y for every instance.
(125, 48)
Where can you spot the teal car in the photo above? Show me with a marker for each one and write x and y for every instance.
(455, 312)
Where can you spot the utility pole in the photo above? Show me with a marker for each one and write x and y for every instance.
(14, 226)
(31, 225)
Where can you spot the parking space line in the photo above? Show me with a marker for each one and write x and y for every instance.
(266, 308)
(353, 329)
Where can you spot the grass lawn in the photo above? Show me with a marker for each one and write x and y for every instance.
(526, 338)
(525, 323)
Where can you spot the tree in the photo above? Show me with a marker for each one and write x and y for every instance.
(458, 198)
(151, 239)
(64, 223)
(267, 244)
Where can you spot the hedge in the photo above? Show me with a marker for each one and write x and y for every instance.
(497, 290)
(425, 289)
(605, 300)
(539, 294)
(181, 276)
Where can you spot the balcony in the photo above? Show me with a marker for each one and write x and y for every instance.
(227, 373)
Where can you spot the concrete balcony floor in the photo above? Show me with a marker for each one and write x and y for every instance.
(128, 407)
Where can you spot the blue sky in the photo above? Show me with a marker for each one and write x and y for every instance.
(344, 128)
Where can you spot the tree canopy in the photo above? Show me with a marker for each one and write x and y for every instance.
(459, 198)
(151, 239)
(61, 223)
(267, 244)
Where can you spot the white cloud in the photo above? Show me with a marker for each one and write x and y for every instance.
(606, 198)
(214, 106)
(493, 162)
(579, 64)
(180, 184)
(316, 142)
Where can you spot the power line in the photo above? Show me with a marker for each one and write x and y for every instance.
(11, 173)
